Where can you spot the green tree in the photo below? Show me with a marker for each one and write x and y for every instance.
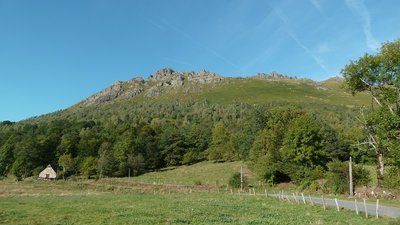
(265, 153)
(222, 147)
(106, 164)
(379, 74)
(88, 166)
(147, 144)
(136, 164)
(305, 143)
(6, 158)
(68, 145)
(122, 148)
(67, 162)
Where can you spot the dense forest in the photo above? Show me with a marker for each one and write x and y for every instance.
(150, 136)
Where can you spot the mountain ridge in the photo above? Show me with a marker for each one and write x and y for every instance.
(166, 79)
(167, 85)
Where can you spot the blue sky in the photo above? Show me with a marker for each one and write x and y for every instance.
(55, 53)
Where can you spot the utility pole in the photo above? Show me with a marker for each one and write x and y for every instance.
(241, 178)
(351, 177)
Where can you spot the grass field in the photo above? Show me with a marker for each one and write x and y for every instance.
(102, 206)
(185, 195)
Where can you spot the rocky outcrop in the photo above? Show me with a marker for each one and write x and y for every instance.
(204, 77)
(153, 92)
(133, 93)
(272, 76)
(105, 95)
(158, 83)
(168, 78)
(135, 87)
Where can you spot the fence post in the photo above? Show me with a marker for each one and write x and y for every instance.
(323, 202)
(377, 208)
(355, 203)
(337, 205)
(365, 208)
(294, 196)
(351, 178)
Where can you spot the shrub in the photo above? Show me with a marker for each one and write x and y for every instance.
(338, 177)
(36, 171)
(197, 182)
(235, 180)
(190, 157)
(391, 178)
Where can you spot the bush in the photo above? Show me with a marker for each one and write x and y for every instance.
(338, 177)
(190, 157)
(391, 178)
(197, 182)
(36, 171)
(235, 181)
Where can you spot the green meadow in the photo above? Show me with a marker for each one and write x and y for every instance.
(165, 208)
(196, 194)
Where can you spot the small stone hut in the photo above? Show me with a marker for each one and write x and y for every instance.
(48, 173)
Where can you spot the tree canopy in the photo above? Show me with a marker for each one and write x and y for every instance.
(379, 74)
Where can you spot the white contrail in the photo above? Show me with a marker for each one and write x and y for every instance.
(317, 59)
(293, 36)
(212, 51)
(358, 7)
(316, 4)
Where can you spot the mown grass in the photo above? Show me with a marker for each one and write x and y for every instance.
(163, 208)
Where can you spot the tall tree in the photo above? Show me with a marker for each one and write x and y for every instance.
(222, 147)
(106, 163)
(379, 74)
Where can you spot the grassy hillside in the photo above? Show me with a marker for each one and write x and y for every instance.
(203, 173)
(328, 95)
(293, 91)
(259, 91)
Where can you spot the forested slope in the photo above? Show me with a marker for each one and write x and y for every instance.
(175, 118)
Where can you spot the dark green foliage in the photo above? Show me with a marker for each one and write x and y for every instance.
(391, 178)
(115, 139)
(295, 146)
(338, 176)
(88, 166)
(379, 74)
(236, 181)
(106, 164)
(222, 145)
(68, 164)
(6, 158)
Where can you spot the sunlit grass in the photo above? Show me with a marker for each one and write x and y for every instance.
(163, 208)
